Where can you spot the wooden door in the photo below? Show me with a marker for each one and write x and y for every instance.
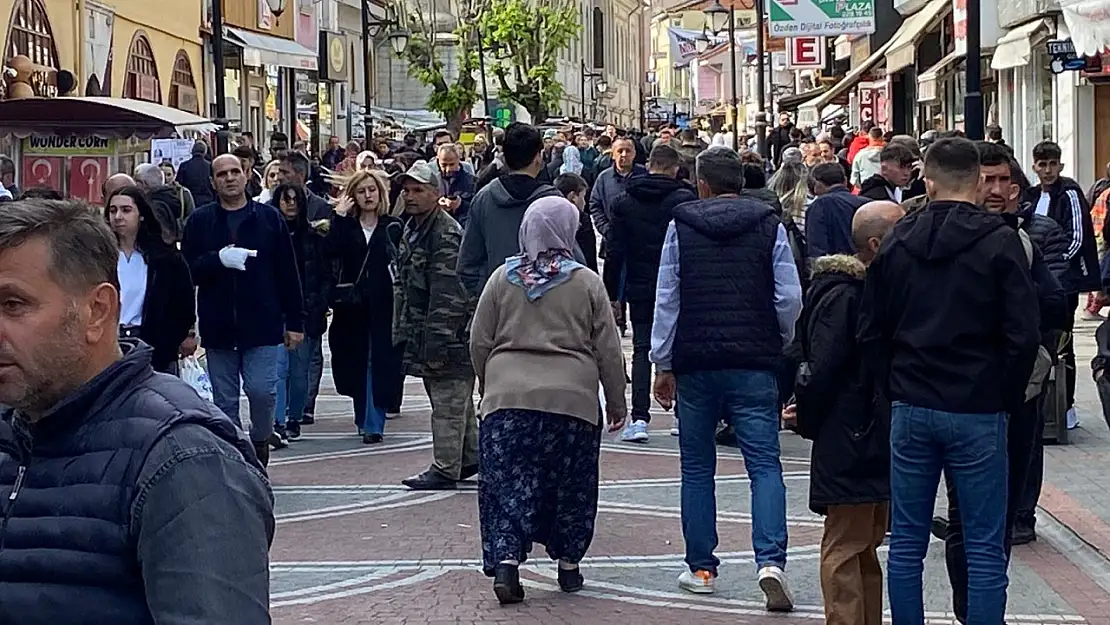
(1102, 130)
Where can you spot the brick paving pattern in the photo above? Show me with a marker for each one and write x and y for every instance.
(353, 546)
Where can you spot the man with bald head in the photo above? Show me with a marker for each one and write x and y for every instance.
(115, 183)
(249, 304)
(849, 476)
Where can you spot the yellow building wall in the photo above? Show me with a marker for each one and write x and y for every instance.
(63, 26)
(170, 27)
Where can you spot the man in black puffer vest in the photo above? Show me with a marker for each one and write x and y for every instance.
(124, 497)
(717, 341)
(637, 228)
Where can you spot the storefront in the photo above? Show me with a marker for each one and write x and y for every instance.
(1027, 87)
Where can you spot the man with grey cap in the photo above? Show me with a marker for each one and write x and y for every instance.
(195, 175)
(431, 317)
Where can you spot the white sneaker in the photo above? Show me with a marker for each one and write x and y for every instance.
(1073, 418)
(772, 581)
(674, 427)
(700, 583)
(635, 432)
(392, 415)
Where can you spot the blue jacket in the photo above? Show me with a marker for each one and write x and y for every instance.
(195, 175)
(460, 185)
(113, 515)
(829, 223)
(244, 309)
(608, 187)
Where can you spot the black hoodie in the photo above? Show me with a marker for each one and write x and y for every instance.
(950, 311)
(637, 228)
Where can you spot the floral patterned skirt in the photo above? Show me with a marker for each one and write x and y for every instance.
(539, 485)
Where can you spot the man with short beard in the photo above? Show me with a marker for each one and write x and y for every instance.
(127, 498)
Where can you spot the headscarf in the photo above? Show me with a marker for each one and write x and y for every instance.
(546, 240)
(572, 161)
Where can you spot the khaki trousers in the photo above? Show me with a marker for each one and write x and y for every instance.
(851, 576)
(454, 424)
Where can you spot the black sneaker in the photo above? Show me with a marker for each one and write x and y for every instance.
(430, 480)
(278, 439)
(293, 430)
(371, 439)
(1023, 534)
(307, 419)
(939, 528)
(506, 584)
(468, 472)
(570, 580)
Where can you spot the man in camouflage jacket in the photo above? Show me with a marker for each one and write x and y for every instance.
(431, 318)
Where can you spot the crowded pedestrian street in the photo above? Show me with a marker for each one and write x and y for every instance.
(354, 546)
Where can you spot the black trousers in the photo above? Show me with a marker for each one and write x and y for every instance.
(1024, 433)
(1069, 350)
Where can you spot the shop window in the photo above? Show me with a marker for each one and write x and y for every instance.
(29, 34)
(599, 38)
(183, 88)
(141, 81)
(1043, 122)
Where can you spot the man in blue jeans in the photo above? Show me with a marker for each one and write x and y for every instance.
(249, 304)
(950, 315)
(717, 339)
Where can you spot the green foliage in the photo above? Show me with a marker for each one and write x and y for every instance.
(524, 38)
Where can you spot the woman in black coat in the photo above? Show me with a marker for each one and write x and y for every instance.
(362, 242)
(157, 302)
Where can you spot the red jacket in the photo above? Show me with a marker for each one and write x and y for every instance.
(860, 142)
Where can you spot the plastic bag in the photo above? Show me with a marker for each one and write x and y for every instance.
(189, 369)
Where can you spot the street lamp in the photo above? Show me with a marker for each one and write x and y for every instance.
(398, 40)
(601, 86)
(721, 19)
(277, 7)
(701, 44)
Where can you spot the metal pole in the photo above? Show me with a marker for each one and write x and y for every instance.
(367, 117)
(218, 61)
(973, 99)
(760, 84)
(485, 92)
(732, 56)
(582, 91)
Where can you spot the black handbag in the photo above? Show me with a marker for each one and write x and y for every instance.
(347, 293)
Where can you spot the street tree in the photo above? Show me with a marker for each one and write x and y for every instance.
(443, 30)
(525, 38)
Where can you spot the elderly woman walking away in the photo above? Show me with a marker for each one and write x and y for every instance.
(542, 339)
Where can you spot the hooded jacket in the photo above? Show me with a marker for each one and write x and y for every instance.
(636, 233)
(727, 317)
(950, 313)
(493, 226)
(1068, 207)
(838, 406)
(829, 223)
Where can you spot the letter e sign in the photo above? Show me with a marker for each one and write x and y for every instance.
(805, 52)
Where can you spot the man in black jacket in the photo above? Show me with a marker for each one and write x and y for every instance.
(125, 495)
(829, 217)
(195, 175)
(950, 319)
(249, 304)
(895, 172)
(1062, 199)
(637, 227)
(849, 425)
(295, 168)
(779, 138)
(1002, 185)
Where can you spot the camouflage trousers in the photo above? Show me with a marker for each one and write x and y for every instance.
(454, 424)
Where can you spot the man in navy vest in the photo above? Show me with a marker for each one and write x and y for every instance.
(124, 497)
(717, 341)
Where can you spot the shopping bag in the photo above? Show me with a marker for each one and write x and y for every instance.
(195, 376)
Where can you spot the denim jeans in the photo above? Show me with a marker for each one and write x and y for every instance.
(258, 367)
(369, 418)
(315, 372)
(641, 371)
(971, 450)
(747, 400)
(294, 381)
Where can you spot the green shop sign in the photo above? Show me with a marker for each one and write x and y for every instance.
(802, 18)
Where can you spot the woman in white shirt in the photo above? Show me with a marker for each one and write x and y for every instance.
(270, 181)
(156, 292)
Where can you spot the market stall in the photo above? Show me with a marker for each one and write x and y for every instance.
(72, 145)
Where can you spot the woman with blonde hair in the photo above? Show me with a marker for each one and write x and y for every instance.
(362, 243)
(542, 339)
(270, 181)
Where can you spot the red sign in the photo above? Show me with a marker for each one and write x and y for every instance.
(805, 52)
(42, 171)
(86, 178)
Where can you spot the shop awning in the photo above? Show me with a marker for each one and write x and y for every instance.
(260, 50)
(110, 118)
(414, 119)
(1087, 23)
(903, 45)
(792, 102)
(810, 112)
(927, 81)
(1015, 48)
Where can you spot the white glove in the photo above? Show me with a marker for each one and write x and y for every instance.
(236, 257)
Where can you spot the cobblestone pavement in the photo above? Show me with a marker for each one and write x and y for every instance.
(353, 546)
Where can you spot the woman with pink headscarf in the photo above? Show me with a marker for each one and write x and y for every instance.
(542, 340)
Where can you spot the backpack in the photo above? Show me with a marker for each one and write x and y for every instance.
(797, 240)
